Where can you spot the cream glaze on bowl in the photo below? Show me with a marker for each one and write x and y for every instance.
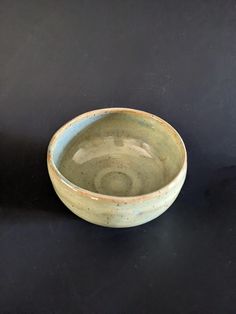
(117, 167)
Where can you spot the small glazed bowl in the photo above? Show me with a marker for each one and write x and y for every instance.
(117, 167)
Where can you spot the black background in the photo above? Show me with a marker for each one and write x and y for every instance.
(176, 59)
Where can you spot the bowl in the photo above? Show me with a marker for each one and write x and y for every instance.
(117, 167)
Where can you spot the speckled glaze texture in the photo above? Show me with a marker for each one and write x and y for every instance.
(117, 167)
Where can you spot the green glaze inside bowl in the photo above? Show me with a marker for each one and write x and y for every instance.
(119, 152)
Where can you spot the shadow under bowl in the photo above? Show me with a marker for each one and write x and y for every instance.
(117, 167)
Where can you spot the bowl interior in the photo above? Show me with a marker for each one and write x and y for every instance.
(120, 153)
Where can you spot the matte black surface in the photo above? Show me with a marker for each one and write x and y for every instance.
(176, 59)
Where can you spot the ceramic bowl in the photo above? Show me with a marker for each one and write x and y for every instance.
(117, 167)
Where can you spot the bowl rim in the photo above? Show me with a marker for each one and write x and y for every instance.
(97, 196)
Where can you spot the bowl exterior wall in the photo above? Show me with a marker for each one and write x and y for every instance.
(117, 212)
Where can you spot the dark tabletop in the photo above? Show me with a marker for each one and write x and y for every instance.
(176, 59)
